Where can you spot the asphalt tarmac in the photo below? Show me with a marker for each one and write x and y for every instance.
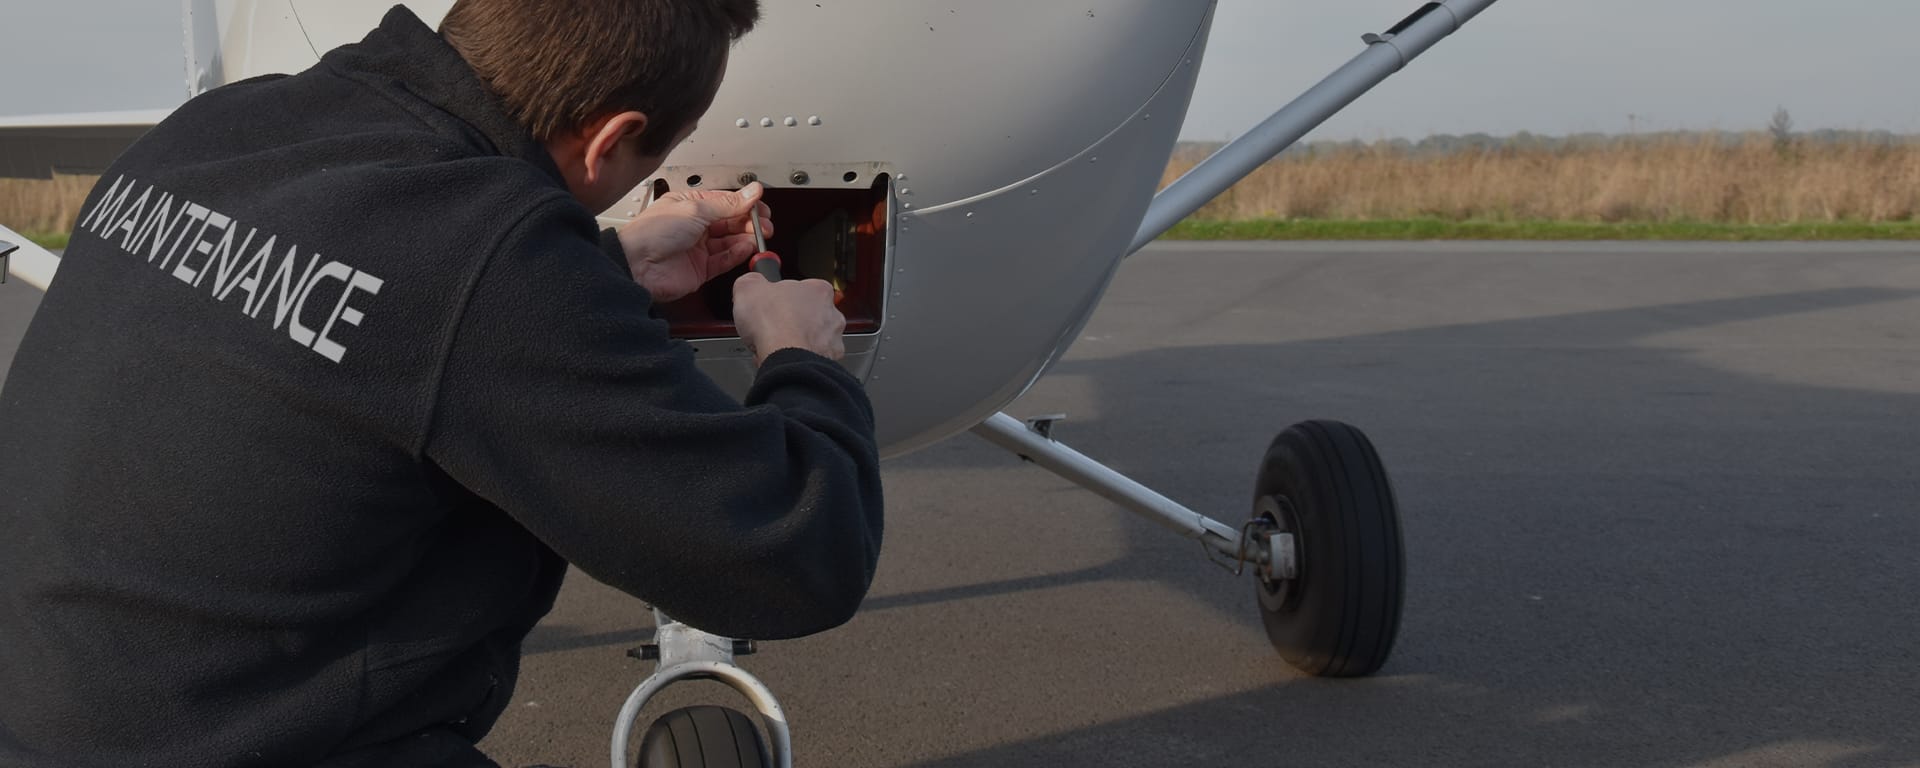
(1661, 508)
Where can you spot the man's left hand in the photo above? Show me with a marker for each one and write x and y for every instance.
(685, 239)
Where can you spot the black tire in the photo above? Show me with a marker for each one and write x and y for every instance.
(1338, 616)
(703, 737)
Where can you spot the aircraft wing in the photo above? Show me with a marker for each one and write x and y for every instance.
(36, 146)
(25, 260)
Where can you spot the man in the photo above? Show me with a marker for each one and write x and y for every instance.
(338, 375)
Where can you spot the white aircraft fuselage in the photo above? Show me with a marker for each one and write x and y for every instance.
(970, 174)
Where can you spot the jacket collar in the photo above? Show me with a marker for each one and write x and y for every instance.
(411, 56)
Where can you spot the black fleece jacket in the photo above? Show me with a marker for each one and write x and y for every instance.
(334, 381)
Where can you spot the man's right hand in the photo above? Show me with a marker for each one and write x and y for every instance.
(787, 314)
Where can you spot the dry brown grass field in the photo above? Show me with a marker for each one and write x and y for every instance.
(43, 206)
(1701, 178)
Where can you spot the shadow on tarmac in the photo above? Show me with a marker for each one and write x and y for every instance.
(1618, 555)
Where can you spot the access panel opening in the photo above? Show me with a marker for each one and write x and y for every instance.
(836, 235)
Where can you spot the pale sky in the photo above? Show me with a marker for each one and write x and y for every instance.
(1546, 66)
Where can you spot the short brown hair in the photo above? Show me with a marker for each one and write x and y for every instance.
(559, 64)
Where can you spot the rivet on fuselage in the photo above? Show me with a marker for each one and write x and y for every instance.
(766, 122)
(742, 123)
(791, 122)
(815, 120)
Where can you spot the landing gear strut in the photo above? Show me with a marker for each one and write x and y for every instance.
(701, 737)
(1323, 543)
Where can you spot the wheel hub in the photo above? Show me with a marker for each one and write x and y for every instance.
(1276, 522)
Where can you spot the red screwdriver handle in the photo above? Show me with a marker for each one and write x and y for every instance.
(768, 265)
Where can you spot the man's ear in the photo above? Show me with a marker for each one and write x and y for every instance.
(606, 137)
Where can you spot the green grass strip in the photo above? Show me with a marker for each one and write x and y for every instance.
(51, 241)
(1439, 229)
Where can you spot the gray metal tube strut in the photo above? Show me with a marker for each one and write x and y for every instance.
(1010, 433)
(1386, 54)
(690, 654)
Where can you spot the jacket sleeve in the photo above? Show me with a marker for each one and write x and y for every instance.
(566, 405)
(617, 253)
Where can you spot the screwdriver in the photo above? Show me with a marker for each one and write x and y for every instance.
(764, 261)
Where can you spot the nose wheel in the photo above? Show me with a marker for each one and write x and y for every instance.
(706, 736)
(1335, 610)
(703, 737)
